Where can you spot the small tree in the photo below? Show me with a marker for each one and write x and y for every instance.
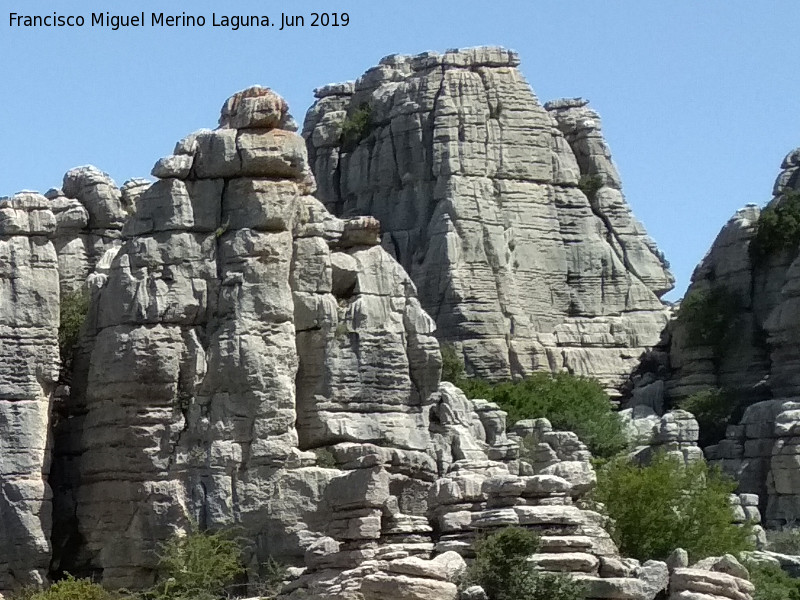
(502, 569)
(777, 228)
(198, 565)
(668, 505)
(356, 126)
(452, 363)
(709, 317)
(714, 410)
(73, 309)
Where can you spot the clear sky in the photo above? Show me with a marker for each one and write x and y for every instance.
(700, 100)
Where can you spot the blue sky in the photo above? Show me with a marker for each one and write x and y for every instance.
(699, 100)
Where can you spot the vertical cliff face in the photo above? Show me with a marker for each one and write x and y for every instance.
(29, 301)
(507, 215)
(737, 330)
(234, 325)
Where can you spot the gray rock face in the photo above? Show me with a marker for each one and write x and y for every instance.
(238, 326)
(753, 356)
(29, 360)
(90, 214)
(476, 187)
(674, 434)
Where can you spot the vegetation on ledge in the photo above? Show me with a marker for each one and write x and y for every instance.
(666, 505)
(777, 228)
(502, 569)
(569, 402)
(356, 127)
(73, 310)
(714, 410)
(709, 317)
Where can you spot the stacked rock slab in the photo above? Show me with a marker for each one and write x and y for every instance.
(713, 578)
(477, 188)
(468, 503)
(90, 214)
(372, 550)
(29, 359)
(238, 326)
(675, 434)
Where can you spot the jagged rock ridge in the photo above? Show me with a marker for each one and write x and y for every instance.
(476, 186)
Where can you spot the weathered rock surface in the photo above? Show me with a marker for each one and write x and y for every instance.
(90, 213)
(747, 347)
(674, 434)
(29, 361)
(250, 359)
(238, 326)
(476, 187)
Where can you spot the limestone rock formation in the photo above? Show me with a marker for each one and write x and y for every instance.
(29, 359)
(238, 326)
(507, 215)
(738, 332)
(675, 434)
(716, 578)
(90, 214)
(250, 359)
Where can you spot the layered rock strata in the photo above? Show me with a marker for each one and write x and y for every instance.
(90, 213)
(745, 344)
(373, 550)
(29, 360)
(238, 326)
(714, 578)
(507, 215)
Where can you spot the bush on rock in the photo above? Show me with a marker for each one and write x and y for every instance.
(571, 403)
(502, 569)
(668, 505)
(197, 566)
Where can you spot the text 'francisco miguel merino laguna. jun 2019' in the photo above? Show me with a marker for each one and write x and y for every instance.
(160, 19)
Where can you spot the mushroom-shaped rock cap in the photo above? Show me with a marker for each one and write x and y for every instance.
(254, 107)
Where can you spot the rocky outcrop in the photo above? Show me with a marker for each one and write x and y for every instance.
(507, 215)
(714, 578)
(249, 359)
(736, 331)
(674, 434)
(29, 360)
(237, 327)
(90, 213)
(373, 550)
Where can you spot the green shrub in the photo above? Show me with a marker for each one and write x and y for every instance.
(570, 403)
(714, 410)
(772, 583)
(198, 565)
(452, 363)
(777, 228)
(709, 317)
(68, 588)
(590, 185)
(668, 505)
(356, 126)
(270, 581)
(73, 309)
(502, 569)
(785, 541)
(325, 458)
